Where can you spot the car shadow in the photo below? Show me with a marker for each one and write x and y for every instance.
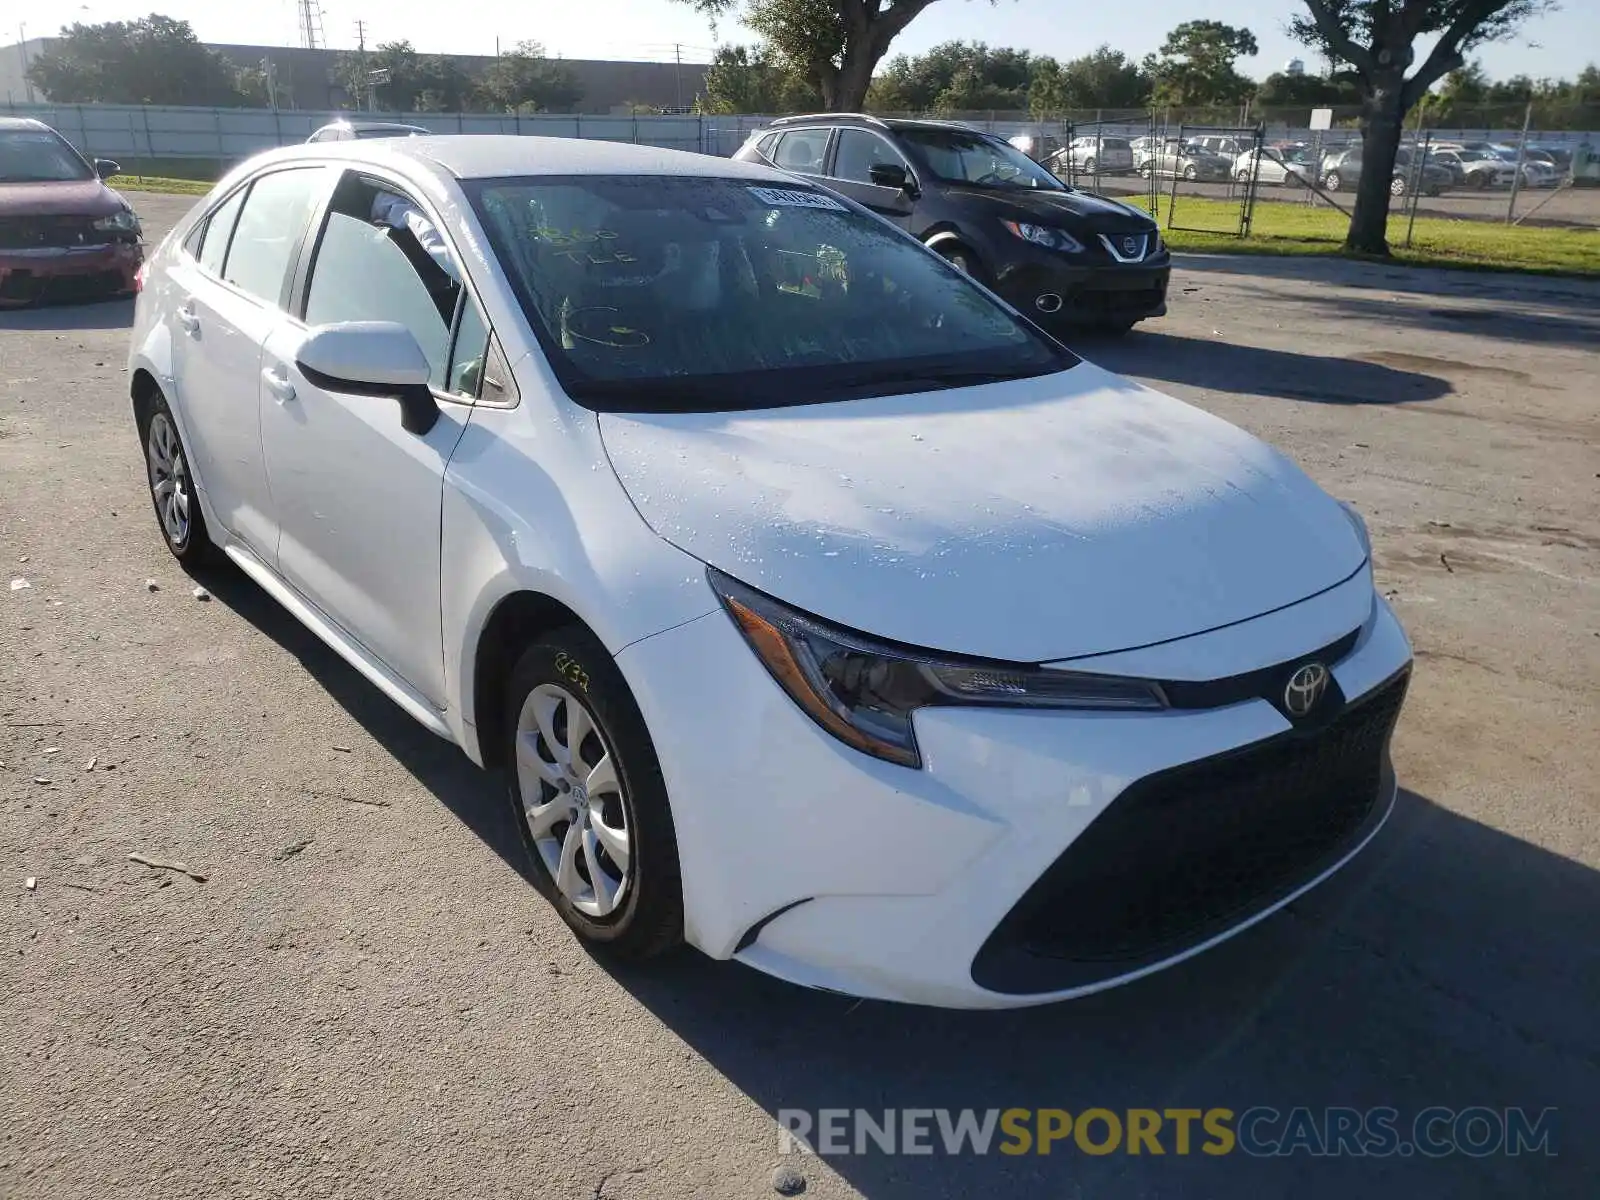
(1450, 965)
(1255, 370)
(1446, 966)
(466, 790)
(1525, 319)
(1578, 295)
(100, 314)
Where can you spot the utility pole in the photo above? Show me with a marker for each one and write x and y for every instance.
(1522, 157)
(677, 55)
(361, 58)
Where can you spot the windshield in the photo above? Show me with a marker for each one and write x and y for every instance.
(39, 156)
(960, 156)
(681, 294)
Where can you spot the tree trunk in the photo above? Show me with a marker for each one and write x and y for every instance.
(1382, 118)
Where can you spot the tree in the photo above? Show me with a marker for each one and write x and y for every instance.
(524, 80)
(955, 77)
(1105, 78)
(154, 60)
(1280, 90)
(1377, 38)
(1194, 66)
(745, 79)
(837, 44)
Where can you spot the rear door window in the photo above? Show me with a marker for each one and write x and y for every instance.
(269, 231)
(218, 228)
(802, 150)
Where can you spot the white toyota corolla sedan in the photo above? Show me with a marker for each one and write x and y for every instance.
(819, 610)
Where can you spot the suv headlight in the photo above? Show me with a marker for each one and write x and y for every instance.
(122, 221)
(1045, 235)
(864, 691)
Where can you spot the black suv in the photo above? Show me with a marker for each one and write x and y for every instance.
(1060, 255)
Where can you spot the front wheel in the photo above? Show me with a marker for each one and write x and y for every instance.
(963, 260)
(587, 796)
(1191, 172)
(1090, 166)
(1397, 186)
(1331, 181)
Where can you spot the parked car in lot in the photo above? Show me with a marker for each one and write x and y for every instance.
(64, 235)
(354, 131)
(1185, 160)
(1341, 171)
(1290, 167)
(1094, 155)
(1536, 173)
(816, 609)
(1065, 257)
(1226, 147)
(1473, 169)
(1038, 146)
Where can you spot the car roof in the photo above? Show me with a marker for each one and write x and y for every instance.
(373, 125)
(495, 155)
(23, 123)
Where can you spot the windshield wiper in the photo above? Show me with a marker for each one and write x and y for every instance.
(955, 377)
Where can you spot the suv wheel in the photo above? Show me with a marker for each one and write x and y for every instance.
(962, 259)
(1191, 172)
(587, 796)
(1331, 181)
(1397, 186)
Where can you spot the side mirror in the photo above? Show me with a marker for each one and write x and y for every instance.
(372, 358)
(890, 175)
(105, 168)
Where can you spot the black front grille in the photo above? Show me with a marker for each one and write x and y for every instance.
(33, 233)
(1091, 302)
(1186, 853)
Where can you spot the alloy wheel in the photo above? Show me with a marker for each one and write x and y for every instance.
(169, 479)
(572, 800)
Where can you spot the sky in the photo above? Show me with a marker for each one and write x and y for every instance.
(1557, 45)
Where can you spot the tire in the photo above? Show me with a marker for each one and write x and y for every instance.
(1331, 181)
(963, 260)
(1191, 172)
(1242, 177)
(1145, 170)
(1116, 328)
(637, 911)
(170, 483)
(1089, 166)
(1397, 186)
(1477, 182)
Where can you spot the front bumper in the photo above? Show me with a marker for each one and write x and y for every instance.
(1091, 293)
(956, 884)
(34, 276)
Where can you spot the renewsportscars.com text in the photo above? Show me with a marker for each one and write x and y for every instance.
(1259, 1131)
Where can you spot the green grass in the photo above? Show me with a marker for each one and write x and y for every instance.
(1296, 229)
(152, 183)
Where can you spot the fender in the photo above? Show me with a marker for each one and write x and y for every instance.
(944, 237)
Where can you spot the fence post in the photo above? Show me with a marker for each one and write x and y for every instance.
(1416, 197)
(577, 125)
(149, 142)
(222, 150)
(1522, 156)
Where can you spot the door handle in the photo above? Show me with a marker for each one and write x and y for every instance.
(278, 384)
(188, 320)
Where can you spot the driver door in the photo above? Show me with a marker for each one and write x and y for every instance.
(359, 497)
(855, 153)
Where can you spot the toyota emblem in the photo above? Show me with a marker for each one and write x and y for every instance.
(1305, 688)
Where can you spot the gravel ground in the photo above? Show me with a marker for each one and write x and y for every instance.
(364, 998)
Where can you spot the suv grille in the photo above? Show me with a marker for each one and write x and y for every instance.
(1184, 854)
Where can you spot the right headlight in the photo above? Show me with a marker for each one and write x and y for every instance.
(1044, 235)
(864, 691)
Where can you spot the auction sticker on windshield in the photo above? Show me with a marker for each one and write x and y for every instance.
(796, 199)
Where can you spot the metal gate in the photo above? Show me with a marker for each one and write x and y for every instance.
(1215, 170)
(1092, 158)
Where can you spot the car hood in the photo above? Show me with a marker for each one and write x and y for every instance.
(1074, 209)
(76, 198)
(1040, 519)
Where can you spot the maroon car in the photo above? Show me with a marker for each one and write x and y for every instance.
(64, 234)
